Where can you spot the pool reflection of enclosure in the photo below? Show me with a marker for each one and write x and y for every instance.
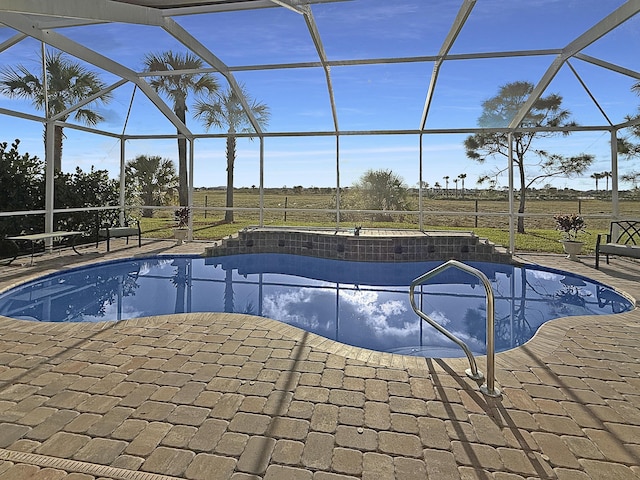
(357, 303)
(84, 295)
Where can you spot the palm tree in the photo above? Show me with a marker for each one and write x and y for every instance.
(596, 176)
(455, 180)
(446, 182)
(462, 176)
(155, 180)
(177, 88)
(224, 110)
(68, 83)
(606, 176)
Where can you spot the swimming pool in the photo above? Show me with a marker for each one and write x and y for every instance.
(357, 303)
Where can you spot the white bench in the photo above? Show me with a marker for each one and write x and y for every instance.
(113, 232)
(42, 237)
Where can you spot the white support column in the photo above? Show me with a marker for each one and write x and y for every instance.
(512, 235)
(420, 222)
(614, 174)
(49, 152)
(337, 181)
(49, 180)
(261, 223)
(122, 181)
(190, 197)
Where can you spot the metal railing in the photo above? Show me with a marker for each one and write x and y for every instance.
(489, 387)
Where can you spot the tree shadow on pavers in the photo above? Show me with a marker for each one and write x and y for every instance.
(486, 403)
(265, 445)
(161, 246)
(44, 264)
(33, 371)
(588, 404)
(454, 417)
(621, 268)
(495, 413)
(541, 465)
(22, 267)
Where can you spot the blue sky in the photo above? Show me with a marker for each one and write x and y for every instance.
(368, 97)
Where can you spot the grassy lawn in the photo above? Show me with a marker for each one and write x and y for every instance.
(282, 209)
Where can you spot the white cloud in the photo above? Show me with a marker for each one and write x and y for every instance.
(380, 316)
(440, 318)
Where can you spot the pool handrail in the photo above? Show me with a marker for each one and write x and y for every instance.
(488, 388)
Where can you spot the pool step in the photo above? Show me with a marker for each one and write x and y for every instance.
(497, 248)
(432, 351)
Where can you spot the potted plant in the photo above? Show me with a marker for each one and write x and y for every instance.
(571, 225)
(181, 229)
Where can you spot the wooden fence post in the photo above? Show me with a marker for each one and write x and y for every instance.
(286, 201)
(476, 222)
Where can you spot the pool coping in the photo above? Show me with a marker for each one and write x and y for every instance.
(571, 363)
(546, 338)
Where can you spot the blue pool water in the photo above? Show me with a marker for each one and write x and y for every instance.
(357, 303)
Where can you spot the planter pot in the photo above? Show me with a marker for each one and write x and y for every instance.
(180, 234)
(572, 248)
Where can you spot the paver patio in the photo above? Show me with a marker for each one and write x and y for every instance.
(229, 396)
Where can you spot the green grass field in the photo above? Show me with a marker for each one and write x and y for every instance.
(285, 208)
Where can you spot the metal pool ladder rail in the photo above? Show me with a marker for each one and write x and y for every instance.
(488, 388)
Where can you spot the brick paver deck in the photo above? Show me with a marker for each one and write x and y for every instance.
(229, 396)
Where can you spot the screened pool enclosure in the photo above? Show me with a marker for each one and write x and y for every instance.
(350, 85)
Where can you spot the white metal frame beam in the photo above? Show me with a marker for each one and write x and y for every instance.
(98, 11)
(189, 41)
(113, 11)
(609, 66)
(10, 42)
(454, 31)
(305, 11)
(317, 41)
(231, 7)
(27, 26)
(610, 22)
(591, 95)
(89, 99)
